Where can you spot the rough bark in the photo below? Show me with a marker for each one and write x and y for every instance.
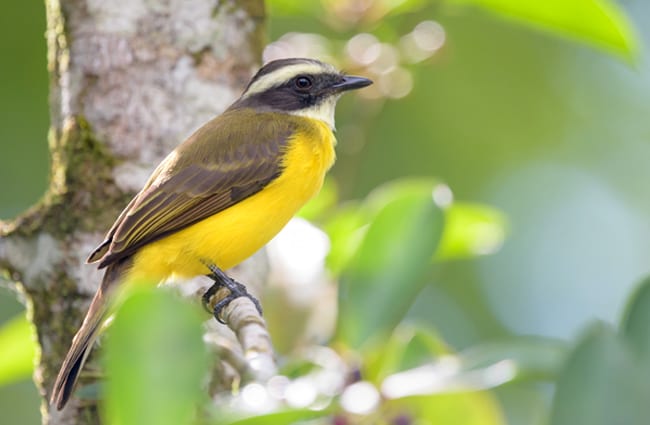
(129, 80)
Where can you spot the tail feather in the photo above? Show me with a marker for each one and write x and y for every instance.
(73, 363)
(83, 341)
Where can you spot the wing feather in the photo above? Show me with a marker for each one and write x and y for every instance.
(235, 160)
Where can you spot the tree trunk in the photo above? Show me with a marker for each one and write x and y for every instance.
(129, 80)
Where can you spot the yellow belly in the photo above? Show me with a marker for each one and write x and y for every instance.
(234, 234)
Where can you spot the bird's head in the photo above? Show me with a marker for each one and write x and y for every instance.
(298, 86)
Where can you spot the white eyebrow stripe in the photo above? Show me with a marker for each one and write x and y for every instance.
(285, 74)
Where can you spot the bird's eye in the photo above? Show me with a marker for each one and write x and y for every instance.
(303, 83)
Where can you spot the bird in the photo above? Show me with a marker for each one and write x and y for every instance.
(222, 194)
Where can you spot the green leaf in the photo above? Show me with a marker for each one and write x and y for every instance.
(601, 23)
(400, 7)
(17, 350)
(431, 343)
(286, 417)
(407, 346)
(471, 230)
(636, 321)
(601, 384)
(295, 8)
(155, 360)
(532, 357)
(461, 408)
(345, 229)
(387, 272)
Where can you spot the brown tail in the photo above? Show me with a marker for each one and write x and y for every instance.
(82, 343)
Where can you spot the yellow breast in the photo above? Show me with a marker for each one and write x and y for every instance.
(234, 234)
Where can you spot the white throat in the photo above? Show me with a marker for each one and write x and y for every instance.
(324, 111)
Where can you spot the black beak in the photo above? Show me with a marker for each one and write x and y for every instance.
(350, 82)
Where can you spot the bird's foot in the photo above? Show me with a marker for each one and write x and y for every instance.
(236, 290)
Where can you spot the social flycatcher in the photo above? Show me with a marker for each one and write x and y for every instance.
(223, 193)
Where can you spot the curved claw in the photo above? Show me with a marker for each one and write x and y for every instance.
(236, 289)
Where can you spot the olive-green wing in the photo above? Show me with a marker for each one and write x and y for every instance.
(224, 162)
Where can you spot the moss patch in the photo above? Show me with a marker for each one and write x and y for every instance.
(82, 195)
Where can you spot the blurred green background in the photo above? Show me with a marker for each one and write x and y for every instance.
(554, 133)
(23, 153)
